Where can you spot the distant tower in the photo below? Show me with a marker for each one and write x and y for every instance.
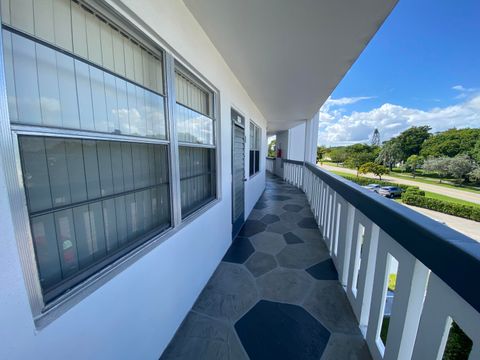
(376, 138)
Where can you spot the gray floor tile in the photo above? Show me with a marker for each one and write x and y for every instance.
(301, 256)
(202, 338)
(328, 303)
(229, 294)
(284, 285)
(260, 263)
(346, 347)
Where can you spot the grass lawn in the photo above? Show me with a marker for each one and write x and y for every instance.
(433, 195)
(418, 178)
(430, 181)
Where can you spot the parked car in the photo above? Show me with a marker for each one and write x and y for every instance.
(390, 191)
(373, 187)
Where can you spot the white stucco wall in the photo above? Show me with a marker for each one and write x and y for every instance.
(136, 313)
(296, 139)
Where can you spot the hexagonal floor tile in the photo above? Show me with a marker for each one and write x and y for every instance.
(269, 219)
(260, 205)
(278, 197)
(252, 227)
(342, 346)
(308, 223)
(260, 263)
(202, 337)
(285, 285)
(229, 293)
(278, 228)
(293, 208)
(291, 238)
(301, 256)
(281, 331)
(239, 251)
(268, 242)
(324, 270)
(328, 303)
(291, 217)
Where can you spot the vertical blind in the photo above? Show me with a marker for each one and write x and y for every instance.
(89, 200)
(195, 126)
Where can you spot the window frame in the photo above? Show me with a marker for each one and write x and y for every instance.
(257, 136)
(212, 111)
(44, 313)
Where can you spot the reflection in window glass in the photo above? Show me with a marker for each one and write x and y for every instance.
(193, 127)
(46, 87)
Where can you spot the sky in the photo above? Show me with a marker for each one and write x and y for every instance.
(421, 68)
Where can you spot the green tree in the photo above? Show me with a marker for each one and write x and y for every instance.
(271, 148)
(474, 175)
(476, 152)
(321, 150)
(452, 143)
(459, 166)
(413, 163)
(338, 155)
(371, 167)
(359, 154)
(390, 154)
(438, 165)
(411, 140)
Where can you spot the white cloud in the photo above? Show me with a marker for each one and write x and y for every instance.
(461, 88)
(343, 101)
(390, 119)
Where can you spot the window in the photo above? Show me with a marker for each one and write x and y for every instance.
(97, 179)
(195, 132)
(89, 202)
(255, 138)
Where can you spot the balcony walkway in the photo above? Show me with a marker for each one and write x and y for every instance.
(275, 295)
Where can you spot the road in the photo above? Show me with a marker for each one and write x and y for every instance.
(458, 194)
(467, 227)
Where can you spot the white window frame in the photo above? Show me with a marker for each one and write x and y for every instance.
(255, 147)
(44, 313)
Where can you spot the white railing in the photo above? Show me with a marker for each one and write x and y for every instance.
(370, 237)
(270, 165)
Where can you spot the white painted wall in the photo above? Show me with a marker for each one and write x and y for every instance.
(296, 139)
(135, 314)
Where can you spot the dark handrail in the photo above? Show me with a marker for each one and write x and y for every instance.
(452, 256)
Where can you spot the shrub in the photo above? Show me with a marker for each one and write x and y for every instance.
(416, 197)
(464, 211)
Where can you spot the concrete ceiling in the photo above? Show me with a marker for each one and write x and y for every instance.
(290, 54)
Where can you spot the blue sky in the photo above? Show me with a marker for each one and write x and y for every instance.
(421, 68)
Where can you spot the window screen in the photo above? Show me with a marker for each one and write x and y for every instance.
(254, 156)
(195, 129)
(89, 201)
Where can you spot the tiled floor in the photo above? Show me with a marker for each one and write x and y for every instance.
(275, 295)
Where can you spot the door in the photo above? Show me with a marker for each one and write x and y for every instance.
(238, 172)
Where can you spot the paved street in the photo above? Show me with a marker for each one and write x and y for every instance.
(458, 194)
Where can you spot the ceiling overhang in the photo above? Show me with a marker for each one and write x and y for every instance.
(290, 55)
